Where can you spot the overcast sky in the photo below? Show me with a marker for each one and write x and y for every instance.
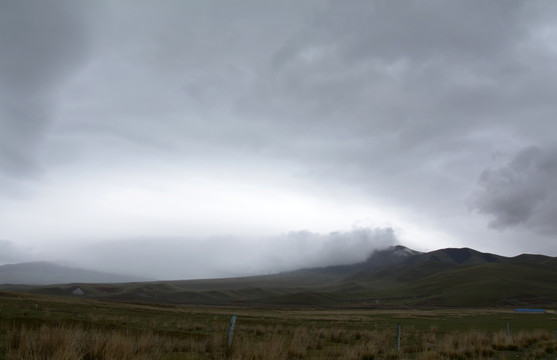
(187, 139)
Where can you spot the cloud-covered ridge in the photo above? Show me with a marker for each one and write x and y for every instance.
(225, 256)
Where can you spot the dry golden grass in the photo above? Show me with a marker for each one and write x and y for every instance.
(69, 343)
(64, 342)
(54, 329)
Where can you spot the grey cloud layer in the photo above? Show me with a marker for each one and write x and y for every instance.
(41, 45)
(408, 101)
(388, 94)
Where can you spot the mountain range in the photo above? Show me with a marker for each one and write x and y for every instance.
(44, 273)
(393, 277)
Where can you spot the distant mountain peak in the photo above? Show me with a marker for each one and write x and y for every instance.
(402, 251)
(391, 255)
(398, 251)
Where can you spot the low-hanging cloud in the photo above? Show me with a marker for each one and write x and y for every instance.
(10, 253)
(522, 192)
(301, 249)
(226, 256)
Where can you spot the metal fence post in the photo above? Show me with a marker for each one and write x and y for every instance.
(230, 334)
(398, 338)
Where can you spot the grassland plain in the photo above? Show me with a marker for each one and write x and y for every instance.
(50, 327)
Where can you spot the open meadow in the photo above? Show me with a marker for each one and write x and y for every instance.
(48, 327)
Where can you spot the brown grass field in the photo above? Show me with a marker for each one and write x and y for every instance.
(47, 327)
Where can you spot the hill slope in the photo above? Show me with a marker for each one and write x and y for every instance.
(393, 277)
(43, 273)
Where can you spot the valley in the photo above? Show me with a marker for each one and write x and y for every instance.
(396, 277)
(398, 304)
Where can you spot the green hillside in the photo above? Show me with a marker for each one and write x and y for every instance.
(397, 277)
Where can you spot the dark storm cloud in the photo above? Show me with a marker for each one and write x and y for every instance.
(352, 55)
(522, 192)
(330, 85)
(177, 68)
(389, 93)
(41, 42)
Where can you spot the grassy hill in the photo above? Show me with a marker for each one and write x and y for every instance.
(396, 277)
(42, 273)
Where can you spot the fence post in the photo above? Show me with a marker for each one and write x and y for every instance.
(508, 330)
(398, 338)
(230, 334)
